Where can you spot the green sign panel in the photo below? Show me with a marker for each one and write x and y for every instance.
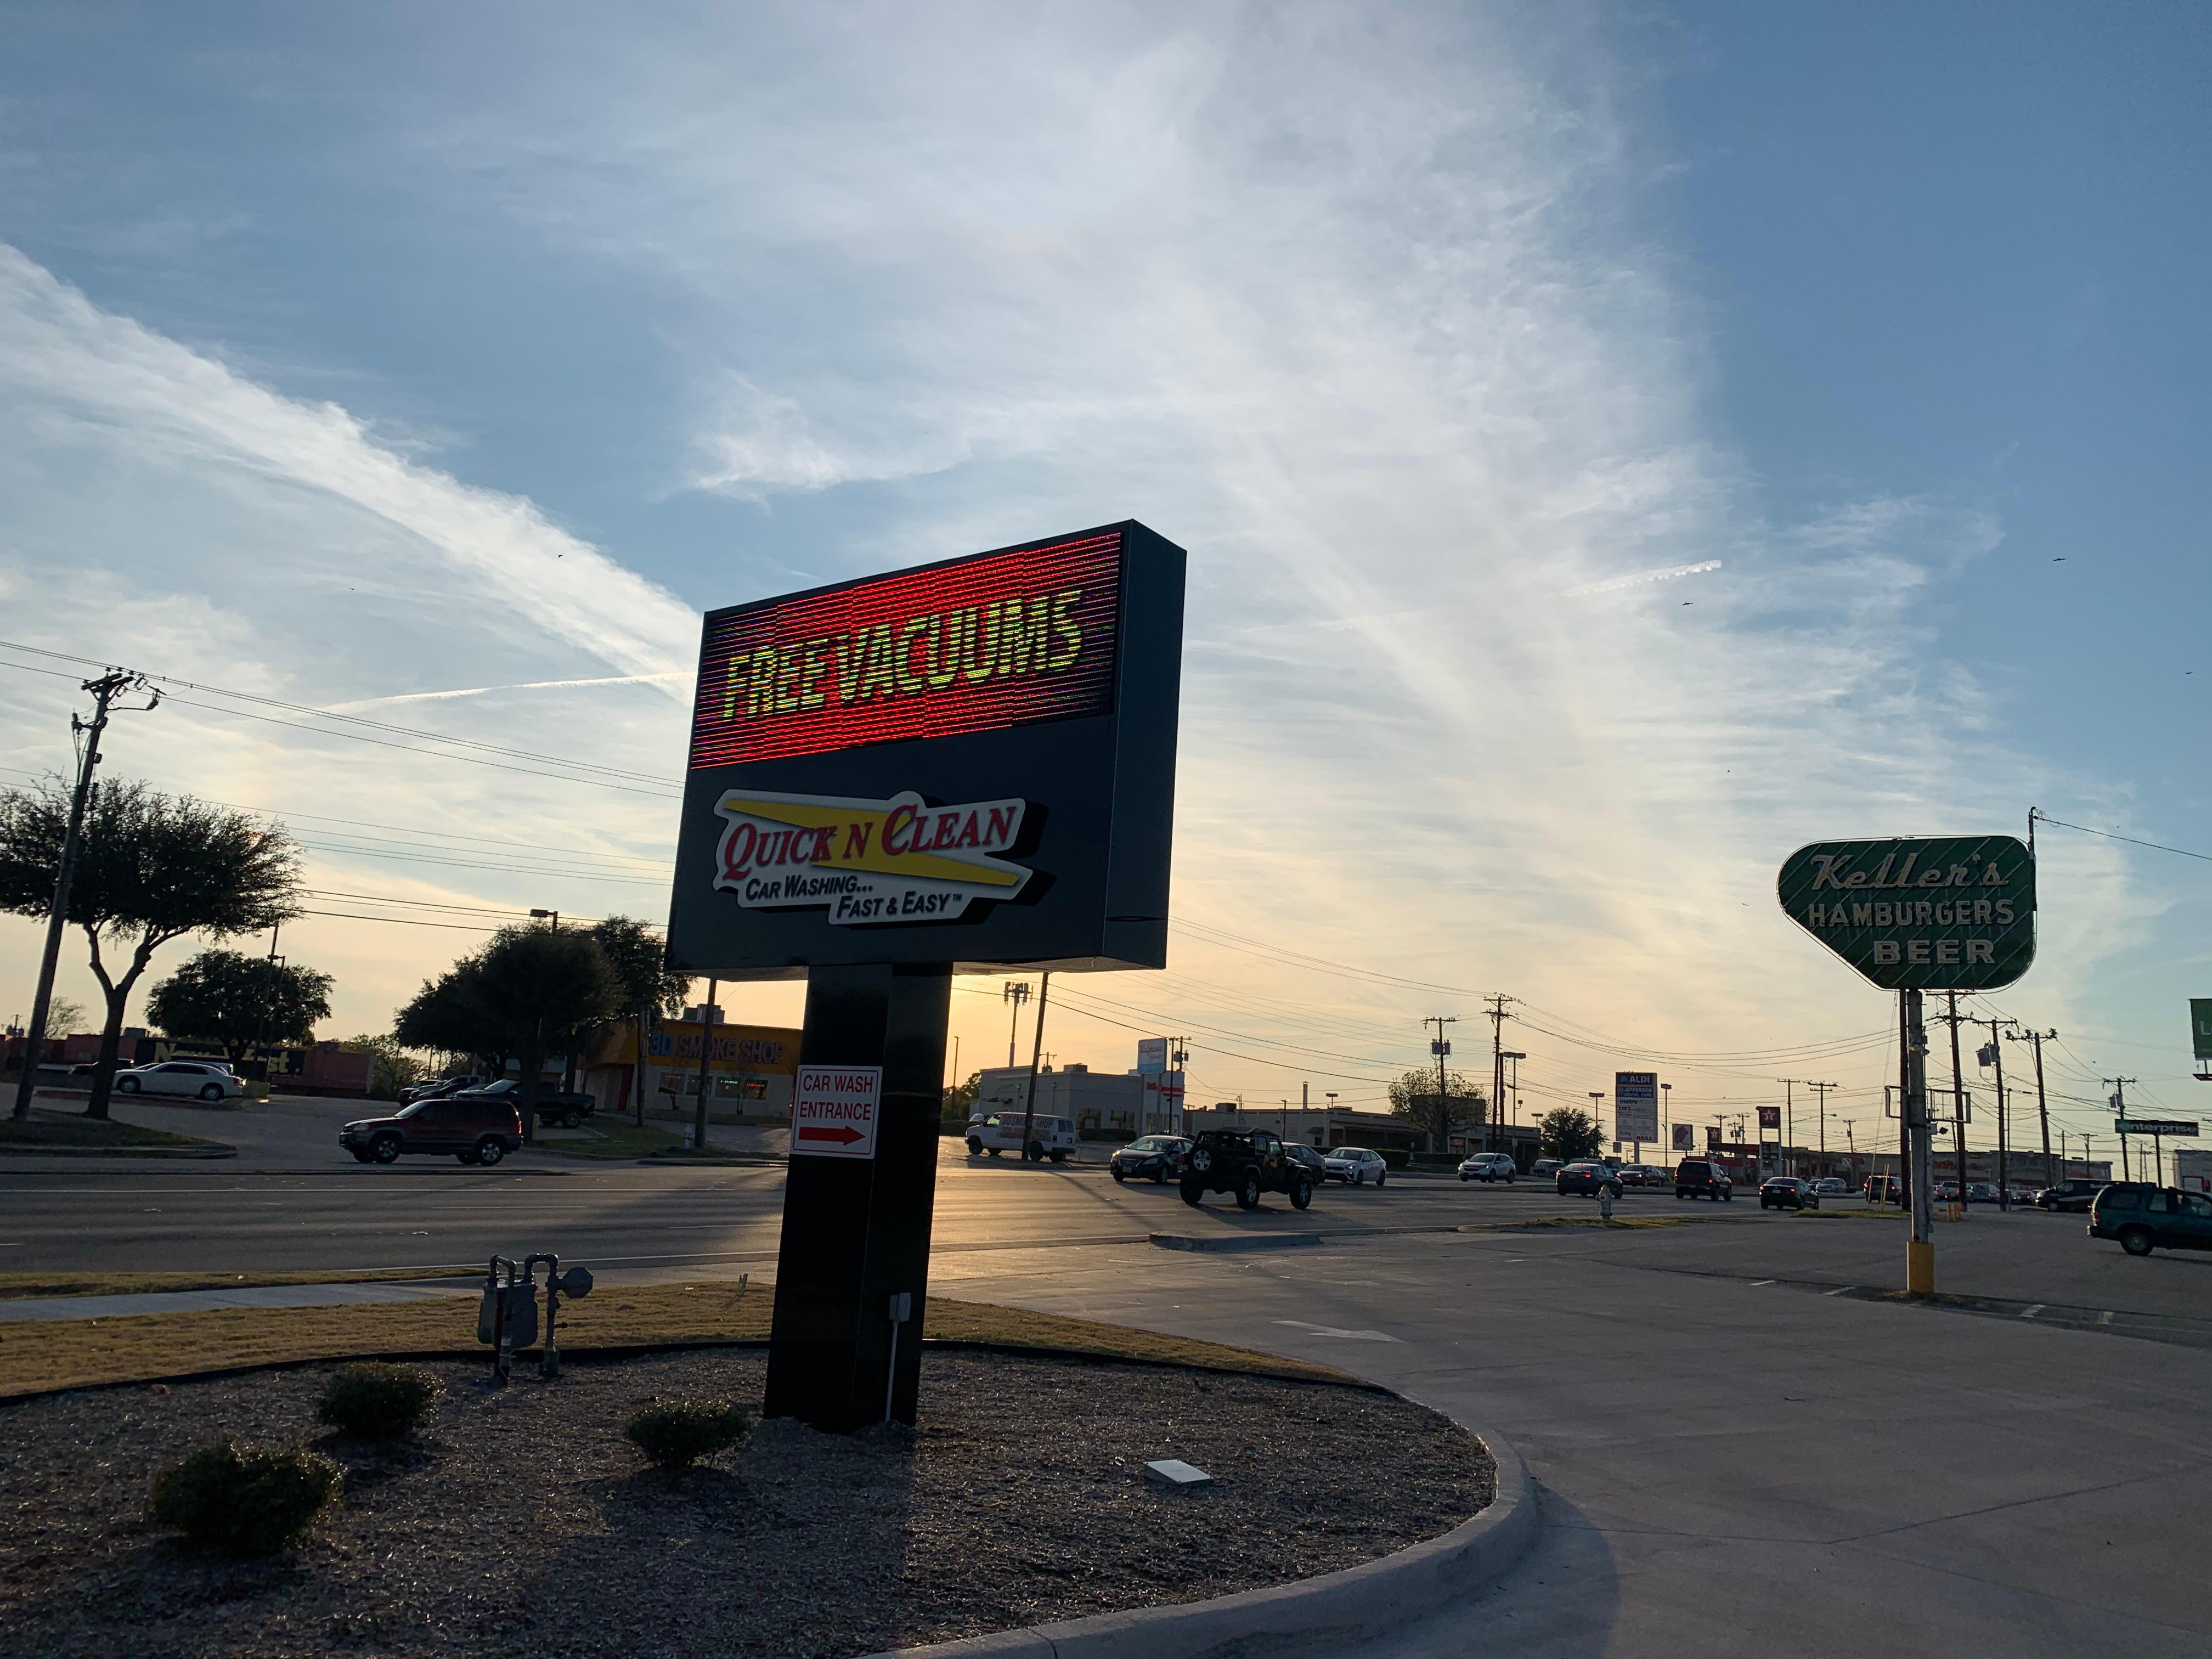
(1942, 913)
(2163, 1126)
(2200, 1025)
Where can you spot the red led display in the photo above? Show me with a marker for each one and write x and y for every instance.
(1002, 639)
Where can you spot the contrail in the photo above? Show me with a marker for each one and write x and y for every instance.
(1641, 576)
(525, 685)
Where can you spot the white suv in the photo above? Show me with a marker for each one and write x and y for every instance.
(1490, 1166)
(996, 1129)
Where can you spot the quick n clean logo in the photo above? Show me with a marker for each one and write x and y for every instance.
(867, 862)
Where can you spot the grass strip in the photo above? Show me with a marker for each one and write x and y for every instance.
(622, 1140)
(16, 1287)
(73, 1131)
(1545, 1224)
(40, 1356)
(1851, 1215)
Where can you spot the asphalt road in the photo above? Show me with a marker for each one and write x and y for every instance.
(1733, 1434)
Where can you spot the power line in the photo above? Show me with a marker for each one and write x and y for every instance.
(2035, 817)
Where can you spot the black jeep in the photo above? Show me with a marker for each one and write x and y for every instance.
(1245, 1162)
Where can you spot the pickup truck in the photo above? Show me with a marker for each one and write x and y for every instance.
(554, 1105)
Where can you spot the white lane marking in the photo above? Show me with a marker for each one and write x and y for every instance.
(1838, 1291)
(2030, 1312)
(1756, 1282)
(1331, 1330)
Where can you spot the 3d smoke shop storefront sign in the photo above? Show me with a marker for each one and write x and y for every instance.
(966, 766)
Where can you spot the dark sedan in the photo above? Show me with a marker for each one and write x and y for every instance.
(1589, 1177)
(1153, 1156)
(1786, 1193)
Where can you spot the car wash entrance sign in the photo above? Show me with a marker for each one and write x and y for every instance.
(962, 767)
(1936, 913)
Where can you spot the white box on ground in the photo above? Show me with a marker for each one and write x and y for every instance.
(1174, 1472)
(834, 1109)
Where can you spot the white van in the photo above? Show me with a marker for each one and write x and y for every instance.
(995, 1128)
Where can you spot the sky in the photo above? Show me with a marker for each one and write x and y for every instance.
(1616, 445)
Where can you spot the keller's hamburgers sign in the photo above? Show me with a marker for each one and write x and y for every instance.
(970, 762)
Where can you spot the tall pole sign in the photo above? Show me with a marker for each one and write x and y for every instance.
(1953, 912)
(963, 767)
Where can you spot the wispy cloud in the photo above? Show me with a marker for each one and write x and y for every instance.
(1352, 302)
(674, 677)
(1642, 578)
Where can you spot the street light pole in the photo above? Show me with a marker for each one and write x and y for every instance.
(104, 691)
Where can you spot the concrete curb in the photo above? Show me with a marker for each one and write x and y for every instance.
(1313, 1615)
(1235, 1241)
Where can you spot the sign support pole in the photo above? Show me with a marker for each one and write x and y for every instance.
(1920, 1252)
(856, 1230)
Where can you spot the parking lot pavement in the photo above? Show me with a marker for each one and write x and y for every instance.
(2025, 1257)
(1723, 1466)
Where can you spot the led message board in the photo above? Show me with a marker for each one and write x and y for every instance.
(970, 762)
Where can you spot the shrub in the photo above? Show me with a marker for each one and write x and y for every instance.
(675, 1434)
(378, 1402)
(236, 1501)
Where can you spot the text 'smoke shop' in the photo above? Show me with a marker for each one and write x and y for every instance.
(969, 764)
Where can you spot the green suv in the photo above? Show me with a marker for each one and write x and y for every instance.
(2143, 1216)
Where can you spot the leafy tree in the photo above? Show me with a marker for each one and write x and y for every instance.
(150, 868)
(639, 961)
(961, 1097)
(1414, 1096)
(447, 1016)
(532, 992)
(1568, 1133)
(239, 1001)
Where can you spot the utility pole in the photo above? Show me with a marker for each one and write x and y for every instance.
(706, 1049)
(2119, 1087)
(1996, 1053)
(2042, 1107)
(1789, 1120)
(1511, 1087)
(104, 691)
(1821, 1090)
(1440, 1048)
(1037, 1048)
(1958, 1100)
(1497, 1016)
(1016, 992)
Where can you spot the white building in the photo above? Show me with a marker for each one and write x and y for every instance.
(1095, 1100)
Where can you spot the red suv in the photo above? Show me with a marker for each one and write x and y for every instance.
(475, 1129)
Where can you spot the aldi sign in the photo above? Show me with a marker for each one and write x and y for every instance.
(1933, 914)
(1636, 1106)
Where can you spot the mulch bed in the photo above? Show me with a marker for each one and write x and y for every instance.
(522, 1523)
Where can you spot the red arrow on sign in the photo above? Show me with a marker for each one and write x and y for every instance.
(847, 1136)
